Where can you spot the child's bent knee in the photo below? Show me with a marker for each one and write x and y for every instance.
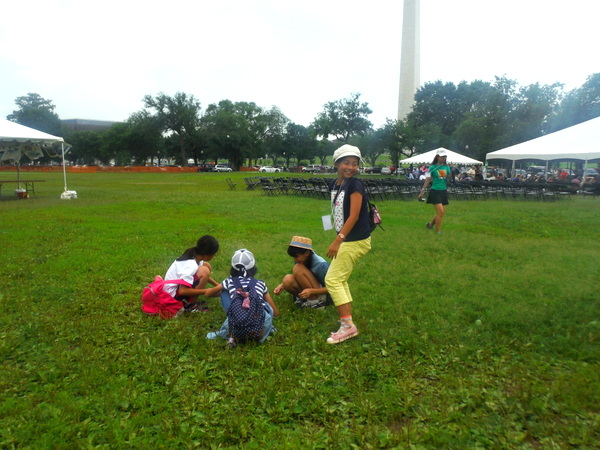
(204, 271)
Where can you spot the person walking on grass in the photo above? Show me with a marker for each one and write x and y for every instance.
(194, 268)
(306, 283)
(353, 239)
(437, 176)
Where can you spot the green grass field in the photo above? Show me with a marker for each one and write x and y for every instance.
(484, 337)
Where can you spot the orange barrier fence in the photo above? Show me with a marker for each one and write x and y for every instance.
(99, 169)
(109, 169)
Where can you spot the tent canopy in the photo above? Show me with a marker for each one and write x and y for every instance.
(17, 139)
(14, 134)
(452, 158)
(580, 142)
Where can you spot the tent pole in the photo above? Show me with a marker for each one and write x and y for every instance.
(62, 145)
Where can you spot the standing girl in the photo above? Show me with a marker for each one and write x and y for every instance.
(437, 176)
(194, 268)
(353, 239)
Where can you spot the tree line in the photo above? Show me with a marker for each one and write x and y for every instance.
(472, 118)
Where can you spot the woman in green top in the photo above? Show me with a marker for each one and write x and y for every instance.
(437, 176)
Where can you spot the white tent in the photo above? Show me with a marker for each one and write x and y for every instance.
(452, 158)
(15, 134)
(580, 142)
(17, 140)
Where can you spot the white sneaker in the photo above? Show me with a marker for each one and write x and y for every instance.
(319, 302)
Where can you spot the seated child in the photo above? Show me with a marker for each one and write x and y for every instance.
(242, 272)
(306, 283)
(194, 268)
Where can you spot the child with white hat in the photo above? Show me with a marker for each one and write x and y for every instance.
(353, 238)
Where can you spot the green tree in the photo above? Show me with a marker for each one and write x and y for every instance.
(178, 114)
(441, 104)
(533, 107)
(86, 147)
(578, 105)
(343, 119)
(243, 130)
(228, 131)
(198, 145)
(322, 148)
(116, 145)
(263, 129)
(372, 145)
(145, 139)
(404, 139)
(486, 126)
(298, 143)
(38, 113)
(274, 133)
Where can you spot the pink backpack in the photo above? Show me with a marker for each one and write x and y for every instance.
(155, 301)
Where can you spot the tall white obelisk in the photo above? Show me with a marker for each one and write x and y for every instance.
(410, 58)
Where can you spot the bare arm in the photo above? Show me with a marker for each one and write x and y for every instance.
(272, 303)
(306, 293)
(215, 291)
(190, 291)
(427, 182)
(278, 290)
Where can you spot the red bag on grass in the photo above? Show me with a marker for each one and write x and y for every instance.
(155, 301)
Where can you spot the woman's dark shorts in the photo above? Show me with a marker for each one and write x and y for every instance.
(435, 197)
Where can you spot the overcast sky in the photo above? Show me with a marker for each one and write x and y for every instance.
(97, 60)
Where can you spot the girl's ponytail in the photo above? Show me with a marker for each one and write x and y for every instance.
(206, 245)
(190, 253)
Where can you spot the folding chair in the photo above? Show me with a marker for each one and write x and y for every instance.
(268, 187)
(231, 184)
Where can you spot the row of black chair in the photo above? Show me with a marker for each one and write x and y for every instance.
(311, 187)
(393, 188)
(509, 190)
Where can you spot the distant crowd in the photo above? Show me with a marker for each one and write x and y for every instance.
(481, 173)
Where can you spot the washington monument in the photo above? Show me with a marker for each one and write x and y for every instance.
(409, 58)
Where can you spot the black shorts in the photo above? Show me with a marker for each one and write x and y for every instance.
(436, 197)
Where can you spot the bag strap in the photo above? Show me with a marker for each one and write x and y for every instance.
(163, 282)
(338, 192)
(238, 285)
(252, 284)
(181, 282)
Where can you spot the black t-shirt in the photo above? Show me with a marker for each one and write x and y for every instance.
(361, 229)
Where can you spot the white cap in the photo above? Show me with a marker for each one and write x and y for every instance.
(441, 153)
(346, 150)
(243, 258)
